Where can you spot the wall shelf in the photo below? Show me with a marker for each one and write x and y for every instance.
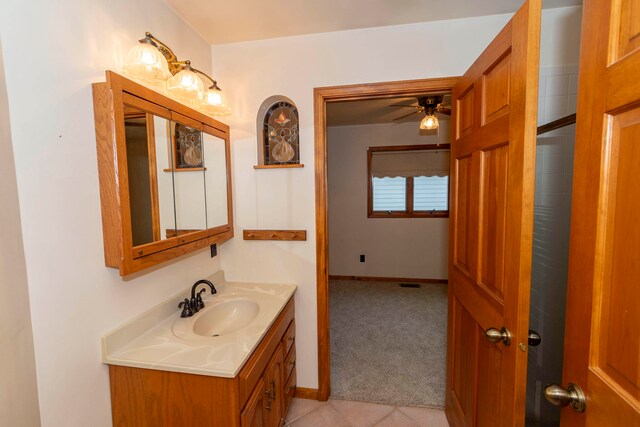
(298, 165)
(294, 235)
(185, 170)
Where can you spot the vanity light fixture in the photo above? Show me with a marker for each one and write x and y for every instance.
(153, 63)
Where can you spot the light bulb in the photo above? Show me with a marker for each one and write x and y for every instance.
(215, 102)
(429, 122)
(147, 64)
(186, 86)
(187, 80)
(214, 97)
(147, 58)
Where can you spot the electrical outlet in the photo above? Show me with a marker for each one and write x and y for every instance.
(214, 250)
(361, 258)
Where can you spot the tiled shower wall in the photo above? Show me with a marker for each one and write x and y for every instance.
(554, 176)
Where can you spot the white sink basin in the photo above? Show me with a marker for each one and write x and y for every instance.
(225, 317)
(220, 317)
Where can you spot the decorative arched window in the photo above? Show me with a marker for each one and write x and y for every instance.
(278, 132)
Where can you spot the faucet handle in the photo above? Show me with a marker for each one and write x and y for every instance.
(186, 308)
(199, 302)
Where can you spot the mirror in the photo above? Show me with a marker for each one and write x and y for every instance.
(165, 180)
(188, 194)
(215, 180)
(164, 173)
(188, 176)
(150, 190)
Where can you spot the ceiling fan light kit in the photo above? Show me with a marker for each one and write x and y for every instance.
(430, 105)
(429, 122)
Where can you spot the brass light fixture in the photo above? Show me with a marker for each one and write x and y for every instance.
(153, 63)
(430, 105)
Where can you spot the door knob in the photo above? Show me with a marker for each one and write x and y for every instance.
(534, 338)
(494, 335)
(572, 395)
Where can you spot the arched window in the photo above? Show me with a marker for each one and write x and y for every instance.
(278, 132)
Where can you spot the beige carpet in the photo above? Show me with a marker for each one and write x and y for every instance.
(388, 343)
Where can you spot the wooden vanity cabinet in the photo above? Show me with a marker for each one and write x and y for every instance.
(259, 396)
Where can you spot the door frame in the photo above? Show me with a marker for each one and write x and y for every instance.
(321, 96)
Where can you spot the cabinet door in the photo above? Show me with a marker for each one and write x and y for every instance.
(289, 392)
(255, 412)
(275, 385)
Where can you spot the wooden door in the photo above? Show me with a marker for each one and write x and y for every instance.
(602, 335)
(491, 226)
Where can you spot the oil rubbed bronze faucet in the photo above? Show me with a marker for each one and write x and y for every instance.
(192, 306)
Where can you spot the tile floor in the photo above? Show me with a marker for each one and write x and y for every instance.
(346, 413)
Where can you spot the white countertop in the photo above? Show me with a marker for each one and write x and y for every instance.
(150, 340)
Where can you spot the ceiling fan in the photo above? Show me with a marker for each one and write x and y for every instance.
(429, 106)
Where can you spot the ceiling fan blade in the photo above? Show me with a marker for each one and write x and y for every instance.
(444, 110)
(406, 115)
(403, 105)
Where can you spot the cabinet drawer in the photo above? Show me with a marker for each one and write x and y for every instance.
(255, 366)
(289, 337)
(289, 391)
(289, 363)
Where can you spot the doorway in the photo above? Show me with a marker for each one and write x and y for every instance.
(322, 97)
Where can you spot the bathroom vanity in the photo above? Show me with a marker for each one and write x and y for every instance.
(231, 364)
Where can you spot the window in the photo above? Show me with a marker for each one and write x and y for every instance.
(408, 181)
(431, 193)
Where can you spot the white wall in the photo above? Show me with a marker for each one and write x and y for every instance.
(249, 72)
(18, 388)
(393, 247)
(552, 218)
(53, 51)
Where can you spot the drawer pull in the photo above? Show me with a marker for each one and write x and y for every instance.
(293, 363)
(273, 389)
(268, 393)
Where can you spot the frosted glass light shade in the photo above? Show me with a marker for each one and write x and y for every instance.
(146, 63)
(186, 86)
(430, 122)
(215, 103)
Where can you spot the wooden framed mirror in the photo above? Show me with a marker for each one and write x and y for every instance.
(164, 172)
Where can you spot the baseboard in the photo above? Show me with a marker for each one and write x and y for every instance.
(388, 279)
(306, 393)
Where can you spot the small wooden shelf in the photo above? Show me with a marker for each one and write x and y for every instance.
(297, 235)
(185, 169)
(299, 165)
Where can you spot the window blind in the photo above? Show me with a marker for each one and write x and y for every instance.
(389, 194)
(410, 163)
(431, 193)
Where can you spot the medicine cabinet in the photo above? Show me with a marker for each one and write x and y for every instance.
(165, 178)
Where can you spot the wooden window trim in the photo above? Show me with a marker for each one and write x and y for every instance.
(409, 212)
